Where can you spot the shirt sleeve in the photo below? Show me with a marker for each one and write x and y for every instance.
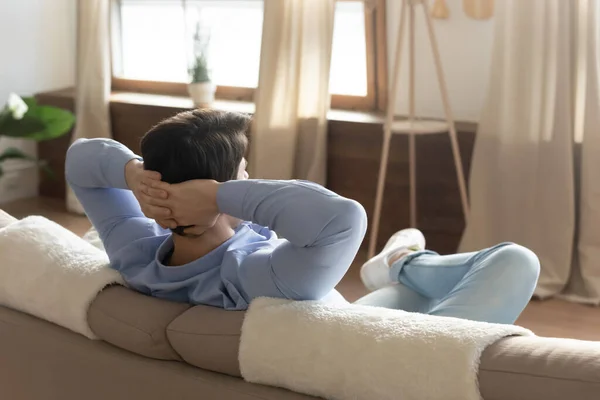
(98, 163)
(95, 171)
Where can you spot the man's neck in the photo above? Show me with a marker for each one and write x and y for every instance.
(188, 249)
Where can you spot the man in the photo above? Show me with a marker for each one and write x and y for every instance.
(222, 249)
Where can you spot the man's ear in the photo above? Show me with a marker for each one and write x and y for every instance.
(6, 219)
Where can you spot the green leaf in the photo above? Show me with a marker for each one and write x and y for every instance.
(13, 153)
(1, 171)
(58, 122)
(39, 123)
(21, 128)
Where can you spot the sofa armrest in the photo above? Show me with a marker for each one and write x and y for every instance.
(526, 368)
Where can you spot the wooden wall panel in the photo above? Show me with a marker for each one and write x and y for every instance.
(353, 163)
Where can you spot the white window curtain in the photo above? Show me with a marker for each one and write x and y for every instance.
(93, 76)
(289, 129)
(543, 96)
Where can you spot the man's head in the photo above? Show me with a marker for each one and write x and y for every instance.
(199, 144)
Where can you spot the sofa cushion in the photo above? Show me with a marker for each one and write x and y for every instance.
(209, 338)
(524, 368)
(134, 322)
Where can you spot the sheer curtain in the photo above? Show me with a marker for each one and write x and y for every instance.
(543, 93)
(584, 285)
(289, 130)
(93, 76)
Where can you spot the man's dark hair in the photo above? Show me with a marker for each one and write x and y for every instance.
(198, 144)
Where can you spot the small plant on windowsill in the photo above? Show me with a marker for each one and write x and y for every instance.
(23, 118)
(201, 88)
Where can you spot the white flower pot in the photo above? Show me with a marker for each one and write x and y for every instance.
(203, 93)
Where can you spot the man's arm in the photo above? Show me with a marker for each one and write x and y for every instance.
(323, 231)
(95, 170)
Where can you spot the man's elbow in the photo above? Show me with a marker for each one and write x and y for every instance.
(352, 217)
(74, 159)
(358, 215)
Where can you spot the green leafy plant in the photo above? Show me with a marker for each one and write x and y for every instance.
(23, 118)
(199, 71)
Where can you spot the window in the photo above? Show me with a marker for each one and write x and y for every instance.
(349, 51)
(152, 46)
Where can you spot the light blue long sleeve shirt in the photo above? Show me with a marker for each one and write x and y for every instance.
(322, 231)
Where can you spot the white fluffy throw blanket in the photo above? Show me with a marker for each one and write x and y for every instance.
(51, 273)
(358, 352)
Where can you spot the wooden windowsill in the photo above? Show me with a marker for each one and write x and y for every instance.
(178, 103)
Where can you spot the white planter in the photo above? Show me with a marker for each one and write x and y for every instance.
(203, 93)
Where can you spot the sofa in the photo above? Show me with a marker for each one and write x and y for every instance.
(154, 349)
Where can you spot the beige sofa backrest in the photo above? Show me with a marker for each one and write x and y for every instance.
(206, 337)
(514, 368)
(134, 322)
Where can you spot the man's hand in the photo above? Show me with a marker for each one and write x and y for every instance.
(191, 203)
(138, 181)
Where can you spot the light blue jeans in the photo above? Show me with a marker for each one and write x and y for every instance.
(491, 285)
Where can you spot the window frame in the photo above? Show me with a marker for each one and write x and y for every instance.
(376, 48)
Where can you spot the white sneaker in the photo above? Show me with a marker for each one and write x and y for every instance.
(375, 273)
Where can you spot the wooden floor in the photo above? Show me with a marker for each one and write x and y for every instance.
(552, 318)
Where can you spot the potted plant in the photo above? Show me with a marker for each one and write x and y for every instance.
(201, 88)
(23, 118)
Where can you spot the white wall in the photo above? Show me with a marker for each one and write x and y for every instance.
(465, 47)
(37, 53)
